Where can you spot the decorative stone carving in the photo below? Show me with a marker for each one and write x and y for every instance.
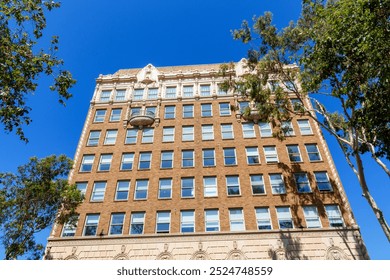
(122, 255)
(165, 255)
(335, 253)
(200, 254)
(236, 254)
(148, 74)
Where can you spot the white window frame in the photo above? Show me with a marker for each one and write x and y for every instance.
(207, 132)
(185, 158)
(94, 137)
(188, 111)
(265, 129)
(263, 218)
(248, 130)
(166, 156)
(105, 162)
(147, 135)
(284, 216)
(120, 95)
(224, 111)
(168, 134)
(165, 186)
(205, 90)
(208, 157)
(140, 189)
(87, 160)
(227, 157)
(137, 94)
(232, 185)
(206, 110)
(334, 215)
(136, 221)
(152, 93)
(304, 185)
(292, 154)
(252, 154)
(169, 112)
(163, 220)
(119, 223)
(115, 116)
(236, 220)
(82, 187)
(187, 188)
(69, 229)
(110, 138)
(100, 115)
(98, 191)
(187, 92)
(255, 182)
(105, 96)
(210, 188)
(127, 158)
(143, 160)
(187, 131)
(171, 92)
(271, 154)
(327, 181)
(187, 221)
(312, 218)
(317, 152)
(122, 186)
(94, 223)
(211, 218)
(277, 184)
(305, 127)
(131, 136)
(227, 131)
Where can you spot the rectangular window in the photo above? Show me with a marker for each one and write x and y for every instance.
(227, 131)
(243, 105)
(187, 221)
(312, 152)
(304, 127)
(152, 93)
(187, 187)
(116, 225)
(136, 111)
(211, 220)
(138, 94)
(294, 153)
(145, 160)
(166, 159)
(288, 129)
(120, 95)
(105, 95)
(105, 162)
(236, 218)
(163, 221)
(232, 185)
(115, 115)
(110, 137)
(188, 111)
(170, 92)
(169, 112)
(141, 189)
(131, 136)
(271, 155)
(206, 110)
(277, 184)
(91, 224)
(284, 217)
(127, 161)
(137, 223)
(205, 90)
(99, 115)
(168, 134)
(99, 188)
(224, 109)
(311, 216)
(69, 229)
(265, 129)
(187, 158)
(302, 182)
(165, 188)
(210, 186)
(229, 156)
(122, 190)
(82, 187)
(263, 219)
(257, 184)
(207, 132)
(93, 139)
(147, 135)
(208, 157)
(248, 130)
(296, 104)
(322, 179)
(252, 155)
(334, 216)
(188, 91)
(188, 133)
(86, 163)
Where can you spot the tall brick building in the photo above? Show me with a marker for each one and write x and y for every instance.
(171, 169)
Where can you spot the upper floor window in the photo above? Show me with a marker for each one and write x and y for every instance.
(138, 94)
(188, 133)
(210, 186)
(122, 190)
(168, 134)
(100, 115)
(229, 156)
(252, 155)
(86, 163)
(224, 109)
(105, 162)
(93, 139)
(188, 111)
(205, 90)
(288, 129)
(105, 95)
(144, 160)
(82, 187)
(284, 217)
(170, 92)
(110, 137)
(243, 105)
(131, 136)
(141, 189)
(248, 130)
(293, 153)
(265, 129)
(206, 110)
(208, 157)
(169, 112)
(187, 221)
(311, 216)
(302, 182)
(322, 179)
(207, 132)
(257, 184)
(187, 158)
(211, 220)
(227, 131)
(152, 93)
(137, 223)
(91, 224)
(163, 221)
(116, 225)
(99, 188)
(120, 95)
(127, 161)
(115, 115)
(334, 216)
(277, 183)
(233, 185)
(147, 135)
(188, 91)
(236, 217)
(304, 127)
(187, 187)
(312, 152)
(69, 228)
(165, 188)
(166, 159)
(263, 218)
(271, 155)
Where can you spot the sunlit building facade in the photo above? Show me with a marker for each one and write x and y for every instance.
(172, 169)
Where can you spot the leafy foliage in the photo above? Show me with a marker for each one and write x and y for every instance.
(32, 200)
(21, 62)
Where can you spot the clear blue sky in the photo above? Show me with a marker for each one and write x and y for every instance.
(100, 37)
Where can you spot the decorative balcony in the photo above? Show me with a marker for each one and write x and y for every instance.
(142, 118)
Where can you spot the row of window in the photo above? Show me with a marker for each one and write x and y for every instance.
(208, 158)
(152, 93)
(188, 133)
(211, 218)
(210, 189)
